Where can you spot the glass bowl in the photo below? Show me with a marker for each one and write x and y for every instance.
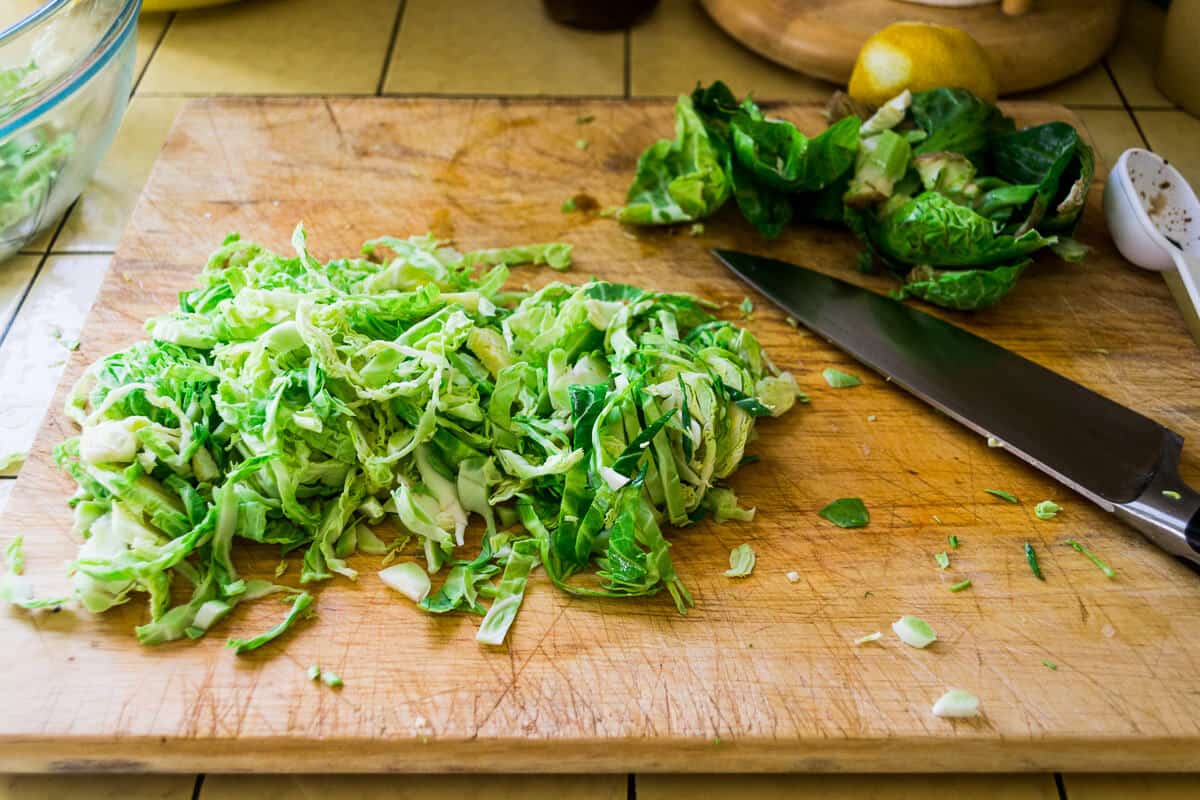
(66, 69)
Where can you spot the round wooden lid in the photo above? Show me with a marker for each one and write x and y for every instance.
(1058, 38)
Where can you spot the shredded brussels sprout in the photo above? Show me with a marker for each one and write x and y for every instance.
(914, 631)
(299, 403)
(741, 561)
(956, 703)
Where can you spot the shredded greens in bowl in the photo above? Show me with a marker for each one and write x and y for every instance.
(301, 404)
(30, 160)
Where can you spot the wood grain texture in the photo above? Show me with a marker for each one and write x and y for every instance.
(762, 674)
(1056, 39)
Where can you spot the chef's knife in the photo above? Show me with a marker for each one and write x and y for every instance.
(1120, 460)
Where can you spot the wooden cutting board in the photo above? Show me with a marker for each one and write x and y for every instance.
(762, 674)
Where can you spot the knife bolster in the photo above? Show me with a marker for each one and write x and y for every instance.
(1167, 512)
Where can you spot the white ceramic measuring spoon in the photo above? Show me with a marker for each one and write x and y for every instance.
(1154, 217)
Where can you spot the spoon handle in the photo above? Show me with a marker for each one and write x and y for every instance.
(1189, 271)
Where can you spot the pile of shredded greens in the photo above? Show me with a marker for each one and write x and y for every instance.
(302, 404)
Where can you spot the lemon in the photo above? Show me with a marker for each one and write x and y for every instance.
(918, 56)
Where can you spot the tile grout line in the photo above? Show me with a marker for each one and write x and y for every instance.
(8, 326)
(552, 98)
(1095, 106)
(627, 82)
(391, 51)
(153, 52)
(1125, 104)
(80, 252)
(12, 321)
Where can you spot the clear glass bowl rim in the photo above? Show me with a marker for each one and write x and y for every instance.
(87, 66)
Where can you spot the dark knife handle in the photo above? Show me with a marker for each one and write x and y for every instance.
(1168, 510)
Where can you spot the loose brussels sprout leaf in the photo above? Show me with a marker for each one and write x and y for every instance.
(882, 161)
(933, 230)
(678, 181)
(889, 115)
(1054, 158)
(766, 208)
(847, 512)
(957, 121)
(783, 158)
(948, 173)
(961, 290)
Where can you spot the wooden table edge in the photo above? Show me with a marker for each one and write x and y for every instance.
(948, 753)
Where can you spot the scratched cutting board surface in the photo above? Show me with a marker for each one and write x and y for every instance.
(762, 674)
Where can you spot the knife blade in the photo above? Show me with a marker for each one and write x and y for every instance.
(1119, 459)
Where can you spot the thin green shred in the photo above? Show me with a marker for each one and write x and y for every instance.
(511, 591)
(1031, 557)
(1048, 664)
(953, 540)
(14, 556)
(1003, 495)
(299, 403)
(314, 672)
(299, 607)
(331, 679)
(958, 587)
(1105, 568)
(15, 588)
(942, 559)
(1171, 494)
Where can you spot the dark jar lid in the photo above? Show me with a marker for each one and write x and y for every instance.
(599, 15)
